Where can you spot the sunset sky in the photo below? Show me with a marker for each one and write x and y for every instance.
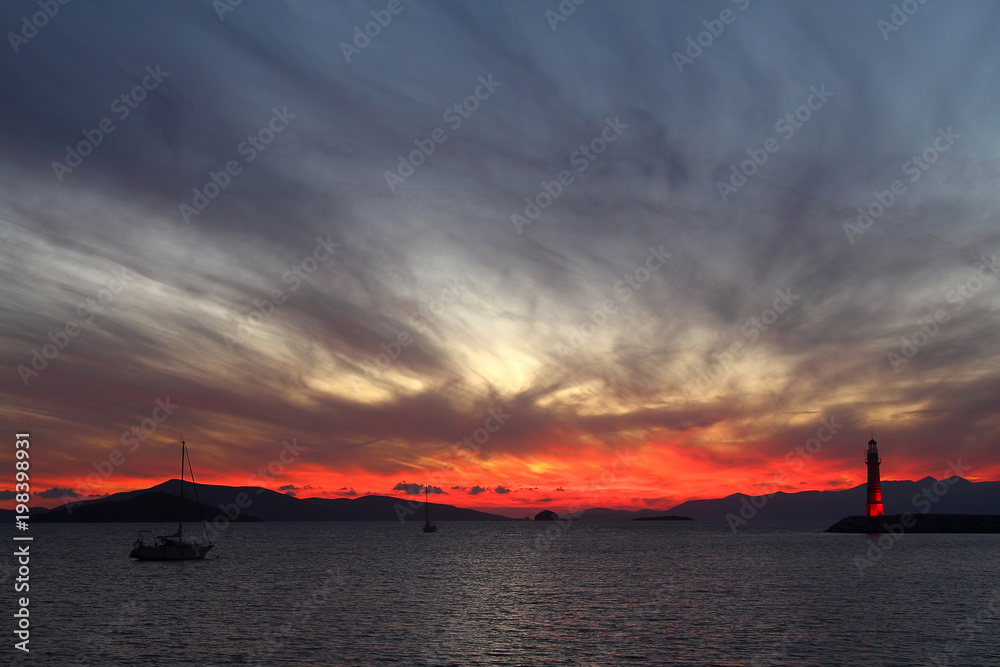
(618, 251)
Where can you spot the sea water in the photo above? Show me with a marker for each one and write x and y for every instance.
(513, 593)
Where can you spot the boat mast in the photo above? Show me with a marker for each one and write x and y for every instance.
(201, 512)
(180, 515)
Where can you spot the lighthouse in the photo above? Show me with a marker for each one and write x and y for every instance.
(874, 506)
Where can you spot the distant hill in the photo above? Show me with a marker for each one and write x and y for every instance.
(960, 497)
(153, 506)
(605, 514)
(249, 501)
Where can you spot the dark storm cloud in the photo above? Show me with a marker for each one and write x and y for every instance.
(417, 489)
(412, 489)
(438, 261)
(56, 492)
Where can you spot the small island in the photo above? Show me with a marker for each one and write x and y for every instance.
(546, 515)
(663, 517)
(918, 523)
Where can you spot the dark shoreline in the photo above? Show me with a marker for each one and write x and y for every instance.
(918, 523)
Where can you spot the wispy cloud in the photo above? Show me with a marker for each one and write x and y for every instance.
(434, 310)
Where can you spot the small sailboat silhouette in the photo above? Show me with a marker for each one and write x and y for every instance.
(175, 546)
(428, 526)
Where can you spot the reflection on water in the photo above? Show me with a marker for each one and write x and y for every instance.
(482, 593)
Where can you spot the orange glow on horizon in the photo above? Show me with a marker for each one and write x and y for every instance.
(654, 475)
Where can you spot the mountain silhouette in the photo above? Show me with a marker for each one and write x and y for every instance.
(160, 503)
(153, 506)
(959, 496)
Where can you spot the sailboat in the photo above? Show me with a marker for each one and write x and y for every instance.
(428, 526)
(173, 547)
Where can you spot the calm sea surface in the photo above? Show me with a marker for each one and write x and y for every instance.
(509, 593)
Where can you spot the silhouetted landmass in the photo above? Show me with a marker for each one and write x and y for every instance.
(665, 517)
(918, 523)
(236, 502)
(954, 495)
(546, 515)
(959, 497)
(605, 514)
(147, 507)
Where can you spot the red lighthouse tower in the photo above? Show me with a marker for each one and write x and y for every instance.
(874, 506)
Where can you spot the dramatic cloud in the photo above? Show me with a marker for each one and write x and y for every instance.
(488, 248)
(56, 492)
